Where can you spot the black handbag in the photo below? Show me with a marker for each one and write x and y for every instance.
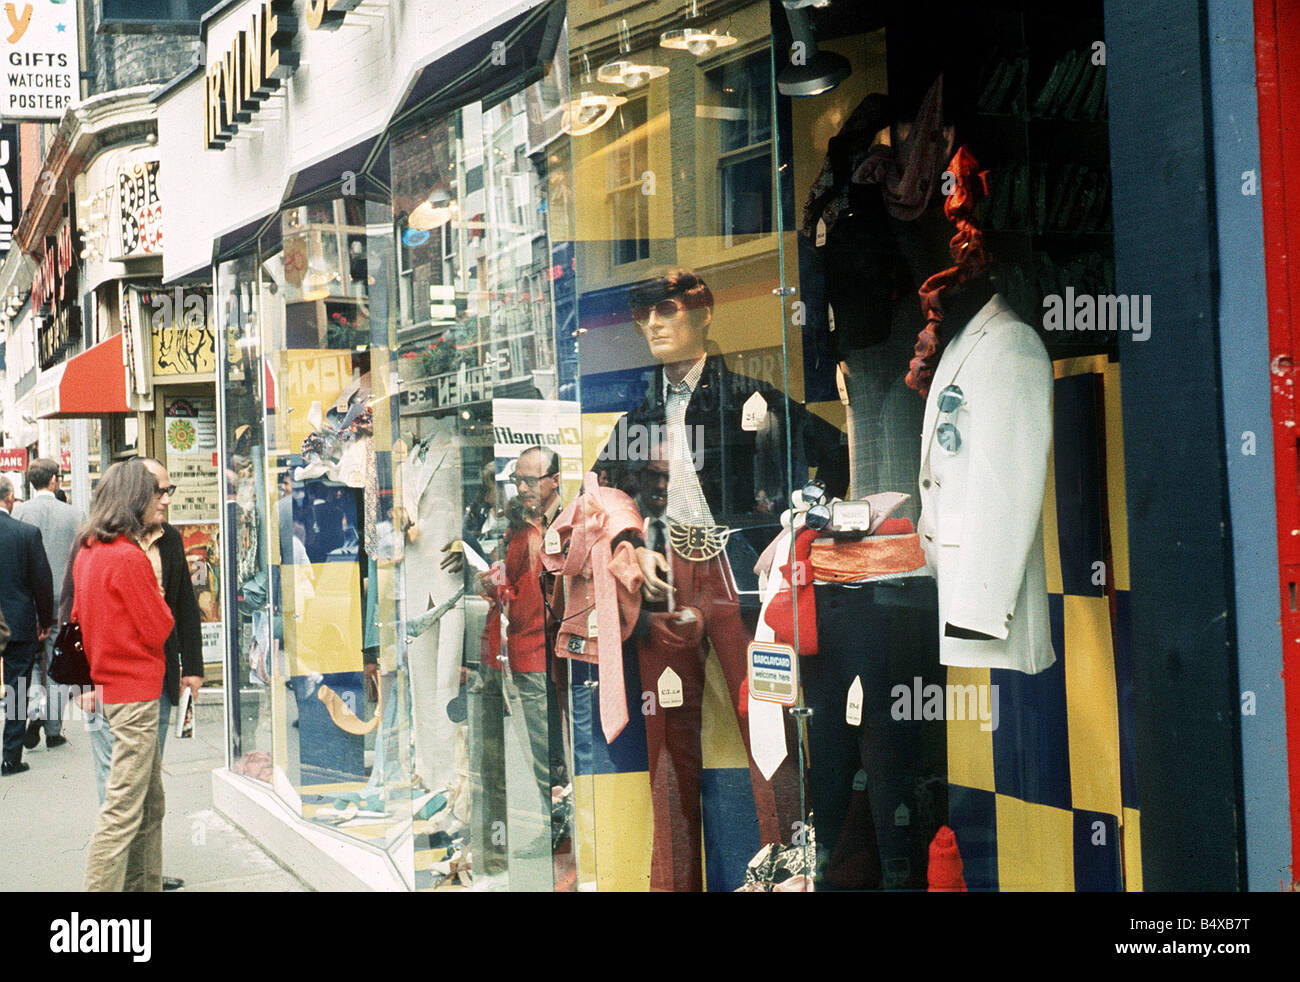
(69, 666)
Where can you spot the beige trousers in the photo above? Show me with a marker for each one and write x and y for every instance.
(126, 849)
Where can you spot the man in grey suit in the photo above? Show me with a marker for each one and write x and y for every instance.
(58, 522)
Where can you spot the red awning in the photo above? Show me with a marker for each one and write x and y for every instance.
(93, 383)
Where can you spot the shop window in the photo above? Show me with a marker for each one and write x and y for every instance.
(141, 16)
(629, 205)
(742, 90)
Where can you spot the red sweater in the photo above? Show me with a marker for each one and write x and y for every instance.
(525, 625)
(124, 619)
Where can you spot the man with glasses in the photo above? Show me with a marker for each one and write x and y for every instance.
(517, 585)
(163, 545)
(724, 439)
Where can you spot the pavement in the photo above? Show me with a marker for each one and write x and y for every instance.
(47, 816)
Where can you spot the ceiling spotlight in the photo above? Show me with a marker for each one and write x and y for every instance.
(624, 71)
(698, 42)
(810, 72)
(628, 73)
(589, 112)
(433, 212)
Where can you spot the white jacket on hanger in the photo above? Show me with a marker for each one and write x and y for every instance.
(981, 506)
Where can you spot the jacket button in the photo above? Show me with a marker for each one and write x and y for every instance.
(925, 483)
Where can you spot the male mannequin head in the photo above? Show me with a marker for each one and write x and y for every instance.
(6, 494)
(673, 313)
(43, 475)
(537, 479)
(155, 519)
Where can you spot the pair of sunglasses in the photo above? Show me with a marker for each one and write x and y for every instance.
(818, 516)
(666, 309)
(950, 400)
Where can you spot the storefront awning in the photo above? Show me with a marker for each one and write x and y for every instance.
(92, 383)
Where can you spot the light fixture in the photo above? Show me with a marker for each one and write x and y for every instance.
(810, 72)
(590, 110)
(698, 42)
(623, 70)
(433, 212)
(316, 284)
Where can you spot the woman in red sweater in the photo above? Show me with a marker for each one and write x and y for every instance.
(124, 622)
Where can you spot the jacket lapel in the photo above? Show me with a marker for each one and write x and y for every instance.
(950, 362)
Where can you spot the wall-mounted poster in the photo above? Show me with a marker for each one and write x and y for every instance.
(190, 432)
(204, 557)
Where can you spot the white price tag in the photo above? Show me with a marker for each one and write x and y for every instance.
(853, 709)
(670, 689)
(753, 413)
(591, 624)
(551, 542)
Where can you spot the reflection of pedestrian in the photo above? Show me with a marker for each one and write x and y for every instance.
(125, 623)
(26, 597)
(58, 524)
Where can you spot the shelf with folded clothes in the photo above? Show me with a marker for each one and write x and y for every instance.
(1040, 199)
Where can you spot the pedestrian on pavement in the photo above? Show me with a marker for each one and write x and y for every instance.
(125, 624)
(27, 600)
(58, 523)
(184, 647)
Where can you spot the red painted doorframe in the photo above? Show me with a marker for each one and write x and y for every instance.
(1277, 67)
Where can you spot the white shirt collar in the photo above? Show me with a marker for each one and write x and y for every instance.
(43, 493)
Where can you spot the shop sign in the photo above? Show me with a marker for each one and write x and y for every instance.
(329, 14)
(180, 329)
(10, 200)
(139, 210)
(13, 459)
(773, 673)
(57, 333)
(246, 73)
(55, 284)
(41, 65)
(450, 389)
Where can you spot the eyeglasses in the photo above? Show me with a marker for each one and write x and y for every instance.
(666, 309)
(166, 492)
(519, 480)
(950, 400)
(818, 516)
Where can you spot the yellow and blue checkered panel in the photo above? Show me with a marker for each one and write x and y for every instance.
(1048, 800)
(613, 787)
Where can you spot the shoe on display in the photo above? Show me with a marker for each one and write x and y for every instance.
(8, 770)
(33, 734)
(55, 741)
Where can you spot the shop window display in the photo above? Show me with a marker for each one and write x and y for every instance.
(633, 375)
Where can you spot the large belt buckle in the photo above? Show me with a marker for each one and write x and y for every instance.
(698, 543)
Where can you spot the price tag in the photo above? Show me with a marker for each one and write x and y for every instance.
(753, 413)
(670, 689)
(551, 542)
(591, 624)
(853, 709)
(820, 240)
(860, 781)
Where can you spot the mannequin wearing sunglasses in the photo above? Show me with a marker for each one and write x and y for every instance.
(724, 468)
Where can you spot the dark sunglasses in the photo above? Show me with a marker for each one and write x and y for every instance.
(950, 400)
(165, 492)
(666, 309)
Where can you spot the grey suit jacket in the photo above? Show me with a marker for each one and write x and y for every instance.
(58, 522)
